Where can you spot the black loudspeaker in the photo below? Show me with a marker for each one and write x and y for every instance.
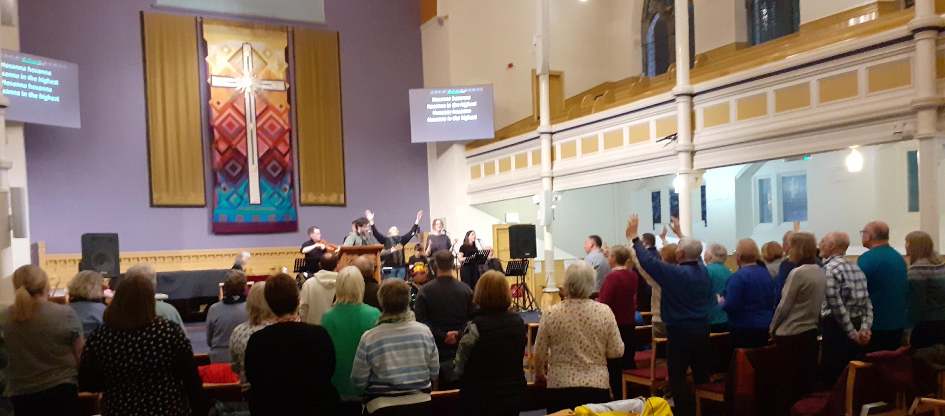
(100, 253)
(522, 241)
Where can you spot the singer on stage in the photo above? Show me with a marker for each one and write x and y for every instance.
(469, 270)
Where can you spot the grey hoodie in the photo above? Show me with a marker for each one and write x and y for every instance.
(318, 294)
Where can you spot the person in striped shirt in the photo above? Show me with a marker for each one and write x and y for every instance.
(396, 362)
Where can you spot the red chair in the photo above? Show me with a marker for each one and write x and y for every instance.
(219, 373)
(651, 375)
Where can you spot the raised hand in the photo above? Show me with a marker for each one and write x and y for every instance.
(633, 226)
(369, 215)
(674, 224)
(663, 234)
(419, 216)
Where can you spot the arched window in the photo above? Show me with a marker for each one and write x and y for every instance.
(771, 19)
(659, 36)
(909, 3)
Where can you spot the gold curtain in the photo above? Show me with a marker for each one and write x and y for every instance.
(318, 96)
(175, 145)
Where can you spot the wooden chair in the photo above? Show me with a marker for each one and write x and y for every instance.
(643, 335)
(90, 404)
(226, 392)
(715, 390)
(925, 405)
(853, 402)
(202, 359)
(655, 377)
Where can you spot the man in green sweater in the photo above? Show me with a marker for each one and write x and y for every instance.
(888, 284)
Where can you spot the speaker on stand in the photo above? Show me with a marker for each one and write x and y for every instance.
(100, 253)
(521, 248)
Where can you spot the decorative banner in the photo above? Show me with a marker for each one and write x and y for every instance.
(253, 190)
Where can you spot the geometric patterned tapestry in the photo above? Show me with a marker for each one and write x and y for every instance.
(251, 147)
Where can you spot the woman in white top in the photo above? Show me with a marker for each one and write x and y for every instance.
(575, 339)
(259, 317)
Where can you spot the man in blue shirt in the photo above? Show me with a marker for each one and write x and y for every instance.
(596, 258)
(686, 301)
(888, 285)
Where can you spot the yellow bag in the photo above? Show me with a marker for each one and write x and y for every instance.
(584, 411)
(656, 406)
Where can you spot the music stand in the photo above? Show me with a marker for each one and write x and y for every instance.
(478, 258)
(522, 298)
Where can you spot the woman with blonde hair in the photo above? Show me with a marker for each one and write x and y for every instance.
(346, 322)
(926, 291)
(488, 361)
(44, 341)
(576, 339)
(87, 299)
(259, 317)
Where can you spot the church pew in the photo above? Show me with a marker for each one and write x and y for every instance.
(90, 404)
(229, 392)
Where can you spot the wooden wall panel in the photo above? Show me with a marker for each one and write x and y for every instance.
(318, 113)
(172, 86)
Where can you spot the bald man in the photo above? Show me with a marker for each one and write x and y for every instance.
(847, 316)
(886, 277)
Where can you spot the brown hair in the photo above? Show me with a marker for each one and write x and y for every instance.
(803, 248)
(668, 253)
(133, 304)
(621, 255)
(235, 284)
(394, 296)
(771, 251)
(328, 262)
(492, 292)
(28, 281)
(256, 306)
(746, 252)
(443, 261)
(919, 245)
(366, 265)
(282, 294)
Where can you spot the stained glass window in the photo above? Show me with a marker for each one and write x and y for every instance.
(771, 19)
(794, 197)
(765, 201)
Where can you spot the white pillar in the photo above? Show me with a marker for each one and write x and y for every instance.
(544, 130)
(925, 27)
(683, 93)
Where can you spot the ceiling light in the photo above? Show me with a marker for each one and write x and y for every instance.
(854, 160)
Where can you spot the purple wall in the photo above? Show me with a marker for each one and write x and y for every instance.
(96, 179)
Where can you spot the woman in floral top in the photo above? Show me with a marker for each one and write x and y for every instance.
(259, 317)
(575, 339)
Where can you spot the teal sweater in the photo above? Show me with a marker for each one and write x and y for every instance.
(719, 275)
(888, 284)
(345, 324)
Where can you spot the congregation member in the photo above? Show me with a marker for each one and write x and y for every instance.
(360, 234)
(396, 362)
(596, 259)
(644, 291)
(926, 291)
(346, 322)
(259, 316)
(794, 324)
(489, 358)
(241, 260)
(161, 308)
(289, 364)
(87, 299)
(575, 340)
(393, 254)
(749, 298)
(619, 294)
(848, 313)
(445, 305)
(438, 238)
(43, 343)
(139, 361)
(772, 254)
(318, 292)
(225, 315)
(686, 300)
(715, 257)
(469, 267)
(313, 249)
(365, 265)
(888, 282)
(786, 266)
(417, 257)
(419, 276)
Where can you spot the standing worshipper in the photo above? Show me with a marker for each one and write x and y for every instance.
(396, 362)
(489, 359)
(888, 282)
(848, 313)
(749, 298)
(686, 300)
(44, 341)
(445, 305)
(259, 317)
(575, 340)
(773, 254)
(318, 292)
(596, 259)
(438, 238)
(926, 291)
(393, 254)
(163, 309)
(794, 324)
(141, 363)
(786, 266)
(225, 315)
(715, 258)
(289, 364)
(346, 322)
(365, 265)
(87, 299)
(469, 269)
(619, 294)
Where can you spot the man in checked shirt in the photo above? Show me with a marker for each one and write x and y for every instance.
(848, 313)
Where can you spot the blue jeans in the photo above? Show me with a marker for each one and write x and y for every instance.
(399, 272)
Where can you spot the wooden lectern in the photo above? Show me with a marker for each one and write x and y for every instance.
(347, 254)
